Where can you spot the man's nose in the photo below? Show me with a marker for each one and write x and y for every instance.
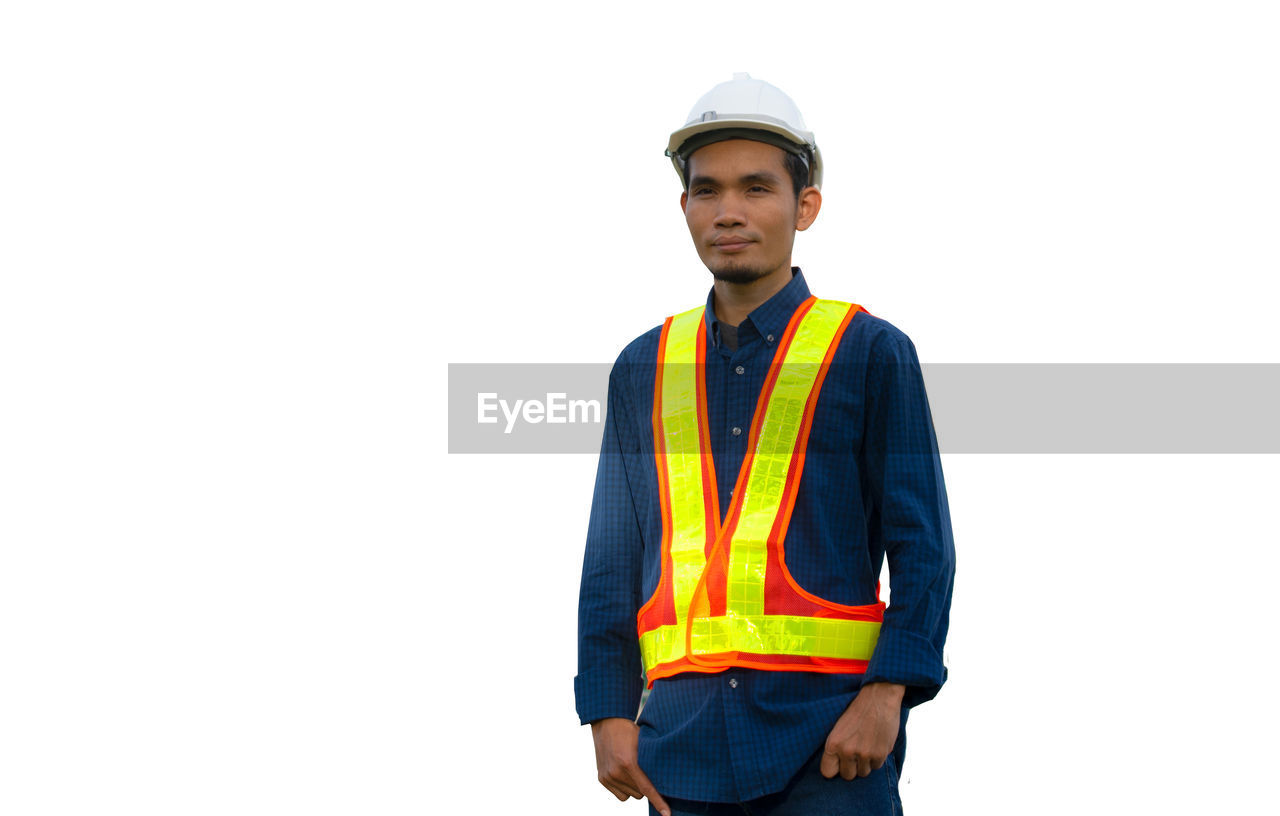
(730, 213)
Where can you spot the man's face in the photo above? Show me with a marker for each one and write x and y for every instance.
(741, 209)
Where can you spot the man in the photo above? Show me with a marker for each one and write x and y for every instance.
(762, 455)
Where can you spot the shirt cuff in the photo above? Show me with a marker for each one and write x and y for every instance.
(909, 660)
(602, 694)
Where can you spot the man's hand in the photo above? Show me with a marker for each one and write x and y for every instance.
(616, 763)
(865, 733)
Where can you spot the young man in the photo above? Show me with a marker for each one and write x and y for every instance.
(762, 455)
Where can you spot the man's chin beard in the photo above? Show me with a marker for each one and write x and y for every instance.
(738, 274)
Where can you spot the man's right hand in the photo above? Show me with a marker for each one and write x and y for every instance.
(616, 763)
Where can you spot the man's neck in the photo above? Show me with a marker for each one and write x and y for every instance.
(734, 301)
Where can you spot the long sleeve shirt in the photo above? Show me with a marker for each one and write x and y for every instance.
(871, 488)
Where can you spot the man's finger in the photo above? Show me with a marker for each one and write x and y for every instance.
(864, 765)
(618, 793)
(849, 767)
(651, 793)
(616, 789)
(830, 764)
(620, 785)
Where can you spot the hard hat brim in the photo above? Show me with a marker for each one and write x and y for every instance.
(746, 122)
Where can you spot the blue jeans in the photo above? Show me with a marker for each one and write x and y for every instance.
(811, 794)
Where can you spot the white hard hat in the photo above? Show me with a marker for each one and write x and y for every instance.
(746, 108)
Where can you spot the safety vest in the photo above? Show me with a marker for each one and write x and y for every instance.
(725, 597)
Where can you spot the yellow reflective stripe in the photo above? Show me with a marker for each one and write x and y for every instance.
(683, 462)
(763, 634)
(785, 634)
(662, 645)
(762, 497)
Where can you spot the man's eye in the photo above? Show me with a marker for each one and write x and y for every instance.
(702, 191)
(758, 189)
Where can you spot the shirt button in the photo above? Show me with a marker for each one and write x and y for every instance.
(769, 339)
(736, 431)
(740, 370)
(733, 682)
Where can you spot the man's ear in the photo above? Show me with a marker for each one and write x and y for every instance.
(684, 199)
(807, 207)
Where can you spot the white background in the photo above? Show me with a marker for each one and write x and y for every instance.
(242, 240)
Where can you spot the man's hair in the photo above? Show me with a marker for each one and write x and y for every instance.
(795, 166)
(799, 172)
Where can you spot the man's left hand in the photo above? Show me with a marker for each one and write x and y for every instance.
(865, 733)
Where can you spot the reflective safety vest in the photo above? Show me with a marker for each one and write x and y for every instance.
(725, 597)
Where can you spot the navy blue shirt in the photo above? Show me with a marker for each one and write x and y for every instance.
(871, 488)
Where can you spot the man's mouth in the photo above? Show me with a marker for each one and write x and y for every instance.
(732, 244)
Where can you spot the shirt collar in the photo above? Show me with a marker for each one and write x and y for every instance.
(770, 318)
